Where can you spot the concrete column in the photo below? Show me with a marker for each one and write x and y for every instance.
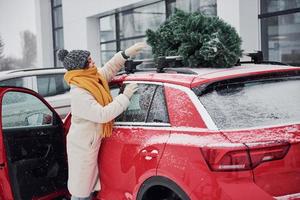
(44, 34)
(93, 38)
(243, 15)
(249, 25)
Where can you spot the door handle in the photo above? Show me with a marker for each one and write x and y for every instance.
(149, 154)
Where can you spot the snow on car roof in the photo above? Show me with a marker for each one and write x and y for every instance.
(29, 72)
(203, 75)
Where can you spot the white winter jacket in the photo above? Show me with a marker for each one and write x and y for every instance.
(84, 137)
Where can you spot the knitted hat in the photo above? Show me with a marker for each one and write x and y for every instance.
(75, 59)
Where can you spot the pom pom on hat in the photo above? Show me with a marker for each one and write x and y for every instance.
(62, 53)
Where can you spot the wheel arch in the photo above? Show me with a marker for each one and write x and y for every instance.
(161, 181)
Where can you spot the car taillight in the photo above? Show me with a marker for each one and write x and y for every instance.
(268, 153)
(244, 158)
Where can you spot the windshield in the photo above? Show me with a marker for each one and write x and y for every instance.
(235, 105)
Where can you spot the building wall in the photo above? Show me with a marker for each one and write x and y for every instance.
(243, 15)
(44, 34)
(81, 24)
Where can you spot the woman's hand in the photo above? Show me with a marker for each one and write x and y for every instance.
(130, 89)
(135, 49)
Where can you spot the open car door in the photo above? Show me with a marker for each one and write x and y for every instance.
(32, 148)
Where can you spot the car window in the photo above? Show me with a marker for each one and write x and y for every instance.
(139, 105)
(50, 85)
(114, 90)
(16, 82)
(254, 103)
(21, 109)
(158, 112)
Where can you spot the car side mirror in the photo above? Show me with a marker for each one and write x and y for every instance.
(38, 119)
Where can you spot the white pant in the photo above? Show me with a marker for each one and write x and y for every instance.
(81, 198)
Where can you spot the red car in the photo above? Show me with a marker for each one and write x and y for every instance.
(188, 134)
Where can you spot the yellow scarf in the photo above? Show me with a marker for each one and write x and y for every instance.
(91, 80)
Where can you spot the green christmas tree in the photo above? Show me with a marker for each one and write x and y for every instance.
(201, 40)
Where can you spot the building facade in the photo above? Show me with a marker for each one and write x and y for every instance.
(107, 26)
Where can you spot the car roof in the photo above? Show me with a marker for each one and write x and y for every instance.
(29, 72)
(205, 75)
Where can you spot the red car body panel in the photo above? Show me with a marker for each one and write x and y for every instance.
(6, 192)
(182, 111)
(128, 158)
(178, 79)
(284, 178)
(239, 72)
(179, 152)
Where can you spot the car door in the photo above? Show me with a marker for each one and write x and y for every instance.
(33, 156)
(132, 153)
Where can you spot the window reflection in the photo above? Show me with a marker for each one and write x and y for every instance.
(136, 21)
(107, 28)
(146, 53)
(208, 7)
(22, 109)
(58, 20)
(107, 51)
(57, 26)
(129, 26)
(282, 35)
(278, 5)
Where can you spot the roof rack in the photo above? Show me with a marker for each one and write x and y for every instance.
(258, 58)
(168, 62)
(161, 65)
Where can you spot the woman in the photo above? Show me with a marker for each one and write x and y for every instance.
(93, 111)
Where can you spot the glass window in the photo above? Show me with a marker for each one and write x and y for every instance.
(57, 26)
(254, 103)
(59, 39)
(22, 109)
(146, 53)
(136, 21)
(158, 112)
(56, 2)
(108, 50)
(16, 82)
(58, 63)
(50, 85)
(281, 38)
(107, 28)
(278, 5)
(126, 27)
(208, 7)
(114, 90)
(139, 105)
(58, 19)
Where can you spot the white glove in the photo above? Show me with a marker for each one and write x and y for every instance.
(130, 89)
(135, 49)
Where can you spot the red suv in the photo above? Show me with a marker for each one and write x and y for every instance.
(188, 134)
